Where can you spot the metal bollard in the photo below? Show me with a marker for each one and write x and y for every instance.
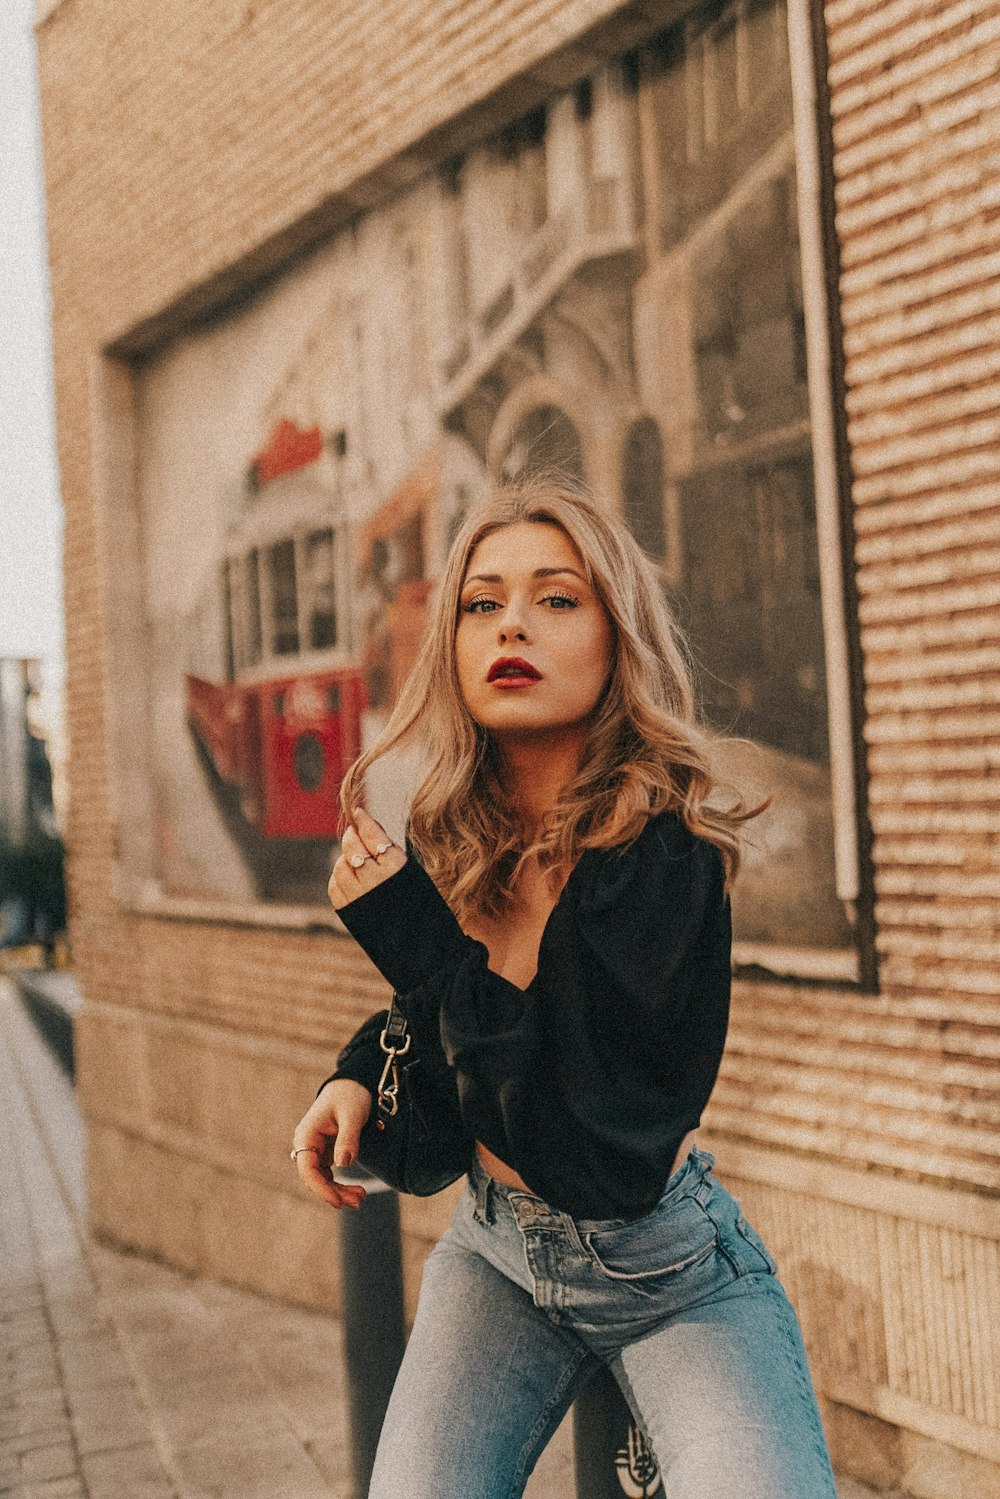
(612, 1455)
(372, 1284)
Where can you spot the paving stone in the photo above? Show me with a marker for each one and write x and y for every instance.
(59, 1461)
(332, 1456)
(197, 1410)
(57, 1488)
(45, 1436)
(128, 1473)
(75, 1318)
(38, 1410)
(25, 1333)
(40, 1374)
(21, 1292)
(110, 1426)
(277, 1469)
(92, 1363)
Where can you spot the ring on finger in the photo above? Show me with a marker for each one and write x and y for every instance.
(356, 860)
(383, 848)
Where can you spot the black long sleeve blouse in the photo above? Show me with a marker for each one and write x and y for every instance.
(586, 1081)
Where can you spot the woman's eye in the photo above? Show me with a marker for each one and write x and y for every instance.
(487, 605)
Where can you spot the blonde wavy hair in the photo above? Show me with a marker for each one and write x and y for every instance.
(646, 752)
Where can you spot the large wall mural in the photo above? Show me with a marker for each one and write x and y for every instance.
(611, 284)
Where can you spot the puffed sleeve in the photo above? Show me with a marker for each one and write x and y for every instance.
(640, 914)
(406, 928)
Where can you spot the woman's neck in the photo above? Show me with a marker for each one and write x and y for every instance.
(536, 770)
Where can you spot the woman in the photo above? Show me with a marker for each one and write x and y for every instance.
(558, 933)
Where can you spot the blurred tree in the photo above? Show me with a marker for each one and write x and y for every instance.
(32, 891)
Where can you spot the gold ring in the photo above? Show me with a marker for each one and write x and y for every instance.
(383, 848)
(358, 859)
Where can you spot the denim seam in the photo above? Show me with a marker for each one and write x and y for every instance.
(770, 1262)
(720, 1242)
(805, 1384)
(539, 1435)
(483, 1210)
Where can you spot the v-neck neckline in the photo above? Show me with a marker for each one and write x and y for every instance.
(557, 907)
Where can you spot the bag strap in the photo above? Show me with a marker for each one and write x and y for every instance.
(395, 1041)
(396, 1029)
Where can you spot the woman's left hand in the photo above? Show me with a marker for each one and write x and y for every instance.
(361, 865)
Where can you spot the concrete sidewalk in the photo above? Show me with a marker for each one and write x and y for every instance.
(121, 1378)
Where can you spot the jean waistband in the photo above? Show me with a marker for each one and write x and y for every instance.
(488, 1191)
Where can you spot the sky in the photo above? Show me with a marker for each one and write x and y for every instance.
(31, 615)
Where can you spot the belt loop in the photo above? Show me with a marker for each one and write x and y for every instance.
(483, 1213)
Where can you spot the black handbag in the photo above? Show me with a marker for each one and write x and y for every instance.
(415, 1140)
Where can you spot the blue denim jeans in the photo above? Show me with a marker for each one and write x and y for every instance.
(521, 1304)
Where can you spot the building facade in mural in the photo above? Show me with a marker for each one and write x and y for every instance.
(610, 286)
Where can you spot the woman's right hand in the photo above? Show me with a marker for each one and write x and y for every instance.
(332, 1127)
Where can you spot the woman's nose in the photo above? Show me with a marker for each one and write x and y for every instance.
(510, 629)
(512, 618)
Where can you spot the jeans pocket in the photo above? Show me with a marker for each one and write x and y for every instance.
(660, 1244)
(753, 1238)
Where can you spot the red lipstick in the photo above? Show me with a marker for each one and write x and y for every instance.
(513, 670)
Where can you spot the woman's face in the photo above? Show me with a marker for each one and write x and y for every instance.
(533, 643)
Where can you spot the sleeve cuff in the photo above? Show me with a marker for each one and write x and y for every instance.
(361, 1059)
(406, 927)
(357, 1068)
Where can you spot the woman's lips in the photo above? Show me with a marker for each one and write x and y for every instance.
(512, 671)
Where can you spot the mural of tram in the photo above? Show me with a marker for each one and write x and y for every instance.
(320, 624)
(280, 723)
(609, 285)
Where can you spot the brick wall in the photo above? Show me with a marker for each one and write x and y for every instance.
(916, 107)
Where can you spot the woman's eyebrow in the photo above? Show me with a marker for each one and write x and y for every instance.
(539, 572)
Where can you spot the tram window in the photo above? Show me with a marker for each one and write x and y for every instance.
(318, 590)
(284, 604)
(253, 640)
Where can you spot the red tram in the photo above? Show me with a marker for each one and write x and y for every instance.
(281, 721)
(285, 744)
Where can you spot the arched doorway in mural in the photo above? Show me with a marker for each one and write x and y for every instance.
(642, 486)
(544, 439)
